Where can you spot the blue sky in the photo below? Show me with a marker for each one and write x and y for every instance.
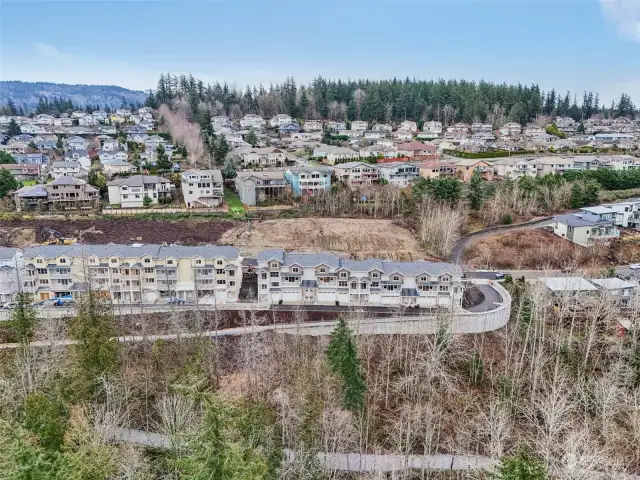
(567, 44)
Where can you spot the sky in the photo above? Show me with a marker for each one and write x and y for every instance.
(574, 45)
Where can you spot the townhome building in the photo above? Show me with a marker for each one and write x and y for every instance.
(399, 174)
(357, 174)
(514, 168)
(586, 228)
(374, 134)
(255, 187)
(70, 193)
(202, 188)
(327, 279)
(22, 171)
(10, 273)
(627, 213)
(135, 273)
(619, 291)
(71, 169)
(479, 127)
(130, 192)
(359, 125)
(43, 119)
(251, 120)
(32, 197)
(312, 126)
(460, 128)
(280, 119)
(308, 181)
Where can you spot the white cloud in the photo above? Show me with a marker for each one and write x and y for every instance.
(625, 16)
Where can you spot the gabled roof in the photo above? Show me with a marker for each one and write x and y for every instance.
(138, 180)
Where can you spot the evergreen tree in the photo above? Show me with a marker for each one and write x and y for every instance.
(251, 138)
(220, 149)
(8, 183)
(11, 107)
(23, 321)
(13, 128)
(344, 363)
(576, 200)
(476, 191)
(520, 467)
(162, 160)
(6, 158)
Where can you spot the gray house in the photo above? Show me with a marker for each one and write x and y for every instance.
(254, 187)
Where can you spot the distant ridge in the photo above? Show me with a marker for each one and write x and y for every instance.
(27, 94)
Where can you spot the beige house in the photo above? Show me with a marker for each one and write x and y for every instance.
(514, 168)
(357, 174)
(467, 167)
(71, 193)
(435, 169)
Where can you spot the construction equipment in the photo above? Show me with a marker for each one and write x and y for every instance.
(54, 237)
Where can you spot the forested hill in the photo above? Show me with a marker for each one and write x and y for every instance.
(390, 100)
(27, 94)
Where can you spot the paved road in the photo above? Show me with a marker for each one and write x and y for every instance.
(491, 299)
(531, 274)
(458, 250)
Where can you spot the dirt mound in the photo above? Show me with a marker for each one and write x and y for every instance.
(357, 238)
(22, 233)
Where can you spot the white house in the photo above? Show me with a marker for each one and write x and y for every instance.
(202, 188)
(280, 119)
(269, 156)
(382, 127)
(408, 126)
(399, 174)
(432, 127)
(130, 192)
(327, 279)
(357, 174)
(333, 154)
(359, 125)
(586, 229)
(106, 157)
(12, 277)
(69, 169)
(80, 156)
(251, 120)
(312, 126)
(513, 167)
(111, 145)
(337, 126)
(77, 143)
(117, 167)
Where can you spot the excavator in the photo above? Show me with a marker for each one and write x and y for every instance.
(54, 237)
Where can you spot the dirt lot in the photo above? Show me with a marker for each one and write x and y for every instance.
(533, 249)
(353, 237)
(22, 233)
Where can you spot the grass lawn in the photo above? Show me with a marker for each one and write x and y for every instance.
(28, 183)
(233, 201)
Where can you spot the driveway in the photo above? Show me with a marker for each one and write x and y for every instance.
(491, 298)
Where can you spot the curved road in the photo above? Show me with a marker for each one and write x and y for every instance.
(458, 250)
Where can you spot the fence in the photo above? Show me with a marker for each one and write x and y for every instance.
(137, 211)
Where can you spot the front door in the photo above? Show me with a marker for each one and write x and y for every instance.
(45, 295)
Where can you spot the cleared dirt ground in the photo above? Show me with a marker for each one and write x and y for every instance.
(357, 238)
(22, 233)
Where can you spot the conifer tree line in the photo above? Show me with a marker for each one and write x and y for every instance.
(448, 101)
(56, 106)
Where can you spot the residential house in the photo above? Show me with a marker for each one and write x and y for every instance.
(117, 167)
(514, 168)
(437, 169)
(268, 156)
(251, 120)
(467, 167)
(308, 181)
(459, 128)
(77, 143)
(69, 193)
(357, 174)
(399, 174)
(202, 188)
(382, 127)
(402, 135)
(510, 129)
(136, 273)
(327, 279)
(43, 119)
(359, 125)
(30, 197)
(423, 151)
(288, 128)
(618, 290)
(11, 280)
(552, 165)
(33, 158)
(112, 145)
(107, 129)
(408, 126)
(107, 157)
(478, 127)
(374, 134)
(569, 290)
(335, 154)
(130, 192)
(33, 129)
(254, 187)
(72, 169)
(312, 126)
(280, 119)
(586, 229)
(80, 156)
(153, 142)
(377, 151)
(432, 127)
(22, 171)
(337, 126)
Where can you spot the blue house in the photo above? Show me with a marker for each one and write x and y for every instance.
(308, 180)
(38, 158)
(289, 128)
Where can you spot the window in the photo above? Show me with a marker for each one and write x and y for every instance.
(232, 283)
(198, 262)
(354, 285)
(65, 282)
(445, 279)
(444, 288)
(147, 260)
(290, 279)
(114, 260)
(148, 270)
(295, 269)
(323, 270)
(342, 283)
(274, 274)
(42, 271)
(39, 260)
(423, 279)
(375, 284)
(44, 282)
(232, 273)
(396, 278)
(275, 264)
(221, 282)
(375, 275)
(219, 271)
(275, 284)
(343, 274)
(149, 280)
(264, 275)
(263, 287)
(169, 262)
(63, 260)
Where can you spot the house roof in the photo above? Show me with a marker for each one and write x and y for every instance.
(310, 169)
(138, 180)
(353, 165)
(215, 174)
(573, 220)
(568, 284)
(32, 191)
(72, 164)
(266, 175)
(131, 251)
(612, 283)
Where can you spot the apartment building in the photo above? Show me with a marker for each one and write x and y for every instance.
(134, 273)
(309, 181)
(130, 192)
(399, 174)
(331, 280)
(357, 174)
(70, 193)
(202, 188)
